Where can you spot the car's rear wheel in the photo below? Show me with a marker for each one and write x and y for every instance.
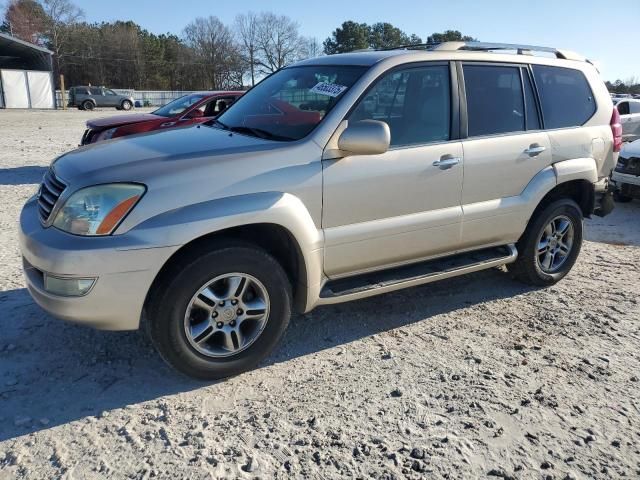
(126, 105)
(220, 313)
(550, 245)
(87, 105)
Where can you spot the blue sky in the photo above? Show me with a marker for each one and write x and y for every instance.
(605, 32)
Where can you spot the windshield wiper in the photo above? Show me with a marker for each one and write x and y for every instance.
(258, 132)
(215, 121)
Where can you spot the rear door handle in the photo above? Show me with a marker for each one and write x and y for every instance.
(446, 162)
(534, 150)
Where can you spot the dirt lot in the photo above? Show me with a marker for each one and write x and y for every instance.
(473, 377)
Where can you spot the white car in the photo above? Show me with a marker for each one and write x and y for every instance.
(626, 176)
(629, 109)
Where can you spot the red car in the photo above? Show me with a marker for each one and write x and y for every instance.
(187, 110)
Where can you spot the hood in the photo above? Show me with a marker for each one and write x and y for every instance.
(631, 149)
(117, 120)
(148, 155)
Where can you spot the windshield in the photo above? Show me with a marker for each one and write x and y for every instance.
(178, 106)
(290, 103)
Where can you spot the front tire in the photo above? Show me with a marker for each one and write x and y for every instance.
(88, 105)
(550, 245)
(221, 312)
(126, 105)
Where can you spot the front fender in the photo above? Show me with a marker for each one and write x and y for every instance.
(183, 225)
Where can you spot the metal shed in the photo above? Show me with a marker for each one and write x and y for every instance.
(26, 74)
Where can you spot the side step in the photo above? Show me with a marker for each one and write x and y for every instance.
(374, 283)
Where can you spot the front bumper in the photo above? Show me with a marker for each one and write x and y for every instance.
(626, 184)
(124, 268)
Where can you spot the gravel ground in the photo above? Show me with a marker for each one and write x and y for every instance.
(474, 377)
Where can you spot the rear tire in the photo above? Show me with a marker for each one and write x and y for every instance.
(620, 198)
(210, 339)
(550, 245)
(126, 105)
(87, 105)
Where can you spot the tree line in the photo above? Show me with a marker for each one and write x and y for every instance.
(206, 55)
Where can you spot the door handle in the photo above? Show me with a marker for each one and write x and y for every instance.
(534, 150)
(446, 162)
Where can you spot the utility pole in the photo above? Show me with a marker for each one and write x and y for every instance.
(62, 92)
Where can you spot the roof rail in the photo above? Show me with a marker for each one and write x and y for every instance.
(520, 49)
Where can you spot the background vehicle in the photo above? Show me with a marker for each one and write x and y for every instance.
(626, 176)
(408, 167)
(88, 98)
(629, 110)
(186, 110)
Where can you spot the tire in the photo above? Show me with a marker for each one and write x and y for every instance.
(533, 266)
(620, 198)
(126, 105)
(88, 105)
(172, 331)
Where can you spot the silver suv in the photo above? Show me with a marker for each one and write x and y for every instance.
(88, 98)
(334, 179)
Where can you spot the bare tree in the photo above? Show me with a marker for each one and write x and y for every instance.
(246, 29)
(214, 46)
(62, 16)
(310, 47)
(278, 42)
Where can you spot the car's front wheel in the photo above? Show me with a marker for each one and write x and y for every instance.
(87, 105)
(220, 312)
(550, 245)
(126, 105)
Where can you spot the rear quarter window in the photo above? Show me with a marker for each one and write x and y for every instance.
(565, 95)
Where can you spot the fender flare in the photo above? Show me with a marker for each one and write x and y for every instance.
(186, 224)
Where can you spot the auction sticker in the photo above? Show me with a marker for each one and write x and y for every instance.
(330, 89)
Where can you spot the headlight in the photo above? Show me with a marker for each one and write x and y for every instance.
(98, 210)
(106, 135)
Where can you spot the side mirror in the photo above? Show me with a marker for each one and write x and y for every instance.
(366, 137)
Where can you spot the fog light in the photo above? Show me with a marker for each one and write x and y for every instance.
(68, 287)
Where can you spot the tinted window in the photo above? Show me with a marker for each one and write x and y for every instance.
(623, 108)
(96, 91)
(567, 100)
(634, 107)
(494, 99)
(415, 103)
(533, 118)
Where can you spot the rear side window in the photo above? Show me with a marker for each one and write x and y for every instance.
(634, 107)
(567, 99)
(495, 103)
(623, 108)
(96, 91)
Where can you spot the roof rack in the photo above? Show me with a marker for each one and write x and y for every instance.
(519, 49)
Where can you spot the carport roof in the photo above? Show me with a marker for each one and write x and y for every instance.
(16, 53)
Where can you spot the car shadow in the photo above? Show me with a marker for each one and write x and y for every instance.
(621, 227)
(26, 175)
(52, 373)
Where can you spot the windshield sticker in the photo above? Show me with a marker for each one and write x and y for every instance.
(330, 89)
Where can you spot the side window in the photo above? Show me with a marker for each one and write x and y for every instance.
(531, 110)
(623, 108)
(415, 103)
(495, 103)
(566, 98)
(634, 107)
(95, 91)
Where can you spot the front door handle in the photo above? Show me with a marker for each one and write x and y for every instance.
(446, 162)
(534, 150)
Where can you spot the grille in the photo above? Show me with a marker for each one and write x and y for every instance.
(50, 192)
(629, 166)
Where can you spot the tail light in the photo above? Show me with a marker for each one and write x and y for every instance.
(616, 129)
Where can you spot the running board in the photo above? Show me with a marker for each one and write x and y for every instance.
(375, 283)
